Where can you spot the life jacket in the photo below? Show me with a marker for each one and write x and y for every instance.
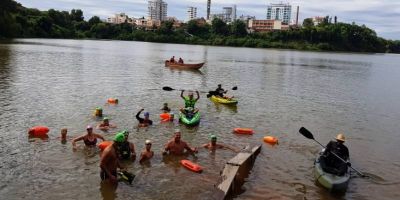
(189, 102)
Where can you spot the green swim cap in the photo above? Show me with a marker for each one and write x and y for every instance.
(105, 118)
(119, 137)
(213, 137)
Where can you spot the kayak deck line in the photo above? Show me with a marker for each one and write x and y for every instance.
(235, 171)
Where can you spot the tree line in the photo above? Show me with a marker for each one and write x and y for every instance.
(17, 21)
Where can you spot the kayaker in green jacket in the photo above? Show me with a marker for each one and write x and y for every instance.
(190, 102)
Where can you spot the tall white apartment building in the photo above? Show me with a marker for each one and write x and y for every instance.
(157, 10)
(280, 11)
(229, 14)
(191, 13)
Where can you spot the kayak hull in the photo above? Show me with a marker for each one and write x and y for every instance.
(330, 181)
(223, 100)
(189, 122)
(195, 66)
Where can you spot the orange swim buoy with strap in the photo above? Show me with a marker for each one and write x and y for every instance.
(165, 116)
(112, 100)
(103, 145)
(38, 131)
(192, 166)
(270, 140)
(245, 131)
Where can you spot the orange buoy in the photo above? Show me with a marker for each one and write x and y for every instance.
(246, 131)
(38, 131)
(270, 140)
(112, 100)
(192, 166)
(165, 116)
(103, 145)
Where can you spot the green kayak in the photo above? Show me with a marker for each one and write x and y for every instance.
(190, 121)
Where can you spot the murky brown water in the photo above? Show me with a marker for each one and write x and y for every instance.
(58, 83)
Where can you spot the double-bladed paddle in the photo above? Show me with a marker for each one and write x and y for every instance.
(306, 133)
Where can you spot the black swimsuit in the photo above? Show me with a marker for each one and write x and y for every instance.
(88, 142)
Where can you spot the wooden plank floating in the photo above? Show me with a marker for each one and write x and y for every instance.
(232, 176)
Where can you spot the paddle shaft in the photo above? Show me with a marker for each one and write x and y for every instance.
(358, 172)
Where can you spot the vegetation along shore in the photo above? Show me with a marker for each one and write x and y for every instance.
(17, 21)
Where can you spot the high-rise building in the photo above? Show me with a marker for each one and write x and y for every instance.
(157, 10)
(191, 13)
(208, 9)
(280, 11)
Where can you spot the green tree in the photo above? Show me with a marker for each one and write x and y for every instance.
(94, 20)
(219, 27)
(308, 23)
(166, 27)
(238, 28)
(77, 15)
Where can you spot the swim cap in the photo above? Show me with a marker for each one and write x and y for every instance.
(125, 132)
(213, 137)
(148, 142)
(172, 114)
(105, 118)
(165, 104)
(119, 137)
(89, 127)
(177, 131)
(146, 114)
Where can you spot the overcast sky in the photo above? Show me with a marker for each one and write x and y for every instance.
(381, 15)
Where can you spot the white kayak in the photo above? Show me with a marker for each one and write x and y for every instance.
(330, 181)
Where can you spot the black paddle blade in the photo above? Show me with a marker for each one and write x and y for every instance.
(234, 88)
(166, 88)
(306, 133)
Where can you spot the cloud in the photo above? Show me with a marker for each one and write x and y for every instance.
(380, 15)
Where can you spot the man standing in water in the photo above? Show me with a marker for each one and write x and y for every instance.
(109, 160)
(177, 146)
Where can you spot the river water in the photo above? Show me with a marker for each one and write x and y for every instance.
(58, 83)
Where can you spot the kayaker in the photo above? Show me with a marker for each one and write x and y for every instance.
(144, 122)
(180, 61)
(177, 146)
(329, 162)
(105, 125)
(90, 138)
(190, 101)
(212, 145)
(172, 60)
(165, 108)
(147, 153)
(109, 161)
(221, 92)
(126, 148)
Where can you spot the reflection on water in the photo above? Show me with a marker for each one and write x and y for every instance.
(58, 83)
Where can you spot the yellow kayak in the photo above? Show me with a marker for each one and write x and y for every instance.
(223, 100)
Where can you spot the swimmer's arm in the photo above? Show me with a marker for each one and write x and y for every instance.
(133, 153)
(166, 149)
(230, 148)
(182, 94)
(190, 149)
(103, 163)
(100, 137)
(198, 95)
(76, 140)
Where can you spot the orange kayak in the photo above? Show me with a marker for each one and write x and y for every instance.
(192, 166)
(245, 131)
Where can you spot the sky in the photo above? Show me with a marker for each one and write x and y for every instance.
(380, 15)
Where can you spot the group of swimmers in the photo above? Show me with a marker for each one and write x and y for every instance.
(121, 149)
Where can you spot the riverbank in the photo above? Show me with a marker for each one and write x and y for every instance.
(21, 22)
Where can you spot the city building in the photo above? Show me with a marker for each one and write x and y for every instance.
(246, 18)
(191, 13)
(279, 11)
(208, 9)
(157, 10)
(119, 19)
(317, 20)
(265, 25)
(228, 14)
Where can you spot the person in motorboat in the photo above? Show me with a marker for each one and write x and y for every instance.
(329, 162)
(180, 61)
(172, 60)
(144, 122)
